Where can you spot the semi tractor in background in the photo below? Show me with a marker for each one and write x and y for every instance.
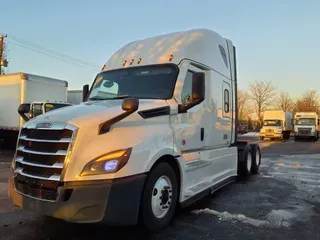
(154, 132)
(306, 125)
(277, 124)
(37, 93)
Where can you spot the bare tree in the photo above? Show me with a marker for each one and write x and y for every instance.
(262, 95)
(243, 103)
(285, 102)
(308, 102)
(3, 57)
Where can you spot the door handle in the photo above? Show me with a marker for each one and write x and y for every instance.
(202, 134)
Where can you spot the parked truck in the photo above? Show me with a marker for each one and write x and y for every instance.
(156, 130)
(306, 125)
(24, 88)
(75, 96)
(277, 124)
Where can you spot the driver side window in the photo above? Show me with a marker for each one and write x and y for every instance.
(186, 93)
(37, 109)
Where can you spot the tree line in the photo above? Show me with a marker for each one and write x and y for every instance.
(263, 96)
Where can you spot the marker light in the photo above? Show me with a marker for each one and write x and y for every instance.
(132, 60)
(108, 163)
(139, 60)
(171, 57)
(103, 67)
(124, 63)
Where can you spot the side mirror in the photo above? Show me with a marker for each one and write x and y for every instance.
(23, 109)
(198, 91)
(130, 104)
(85, 91)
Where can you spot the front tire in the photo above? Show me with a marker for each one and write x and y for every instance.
(159, 198)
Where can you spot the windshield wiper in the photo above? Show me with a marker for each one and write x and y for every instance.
(96, 98)
(117, 97)
(122, 96)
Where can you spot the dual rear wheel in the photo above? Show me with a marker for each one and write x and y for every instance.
(249, 160)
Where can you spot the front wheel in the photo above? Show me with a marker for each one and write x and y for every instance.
(159, 198)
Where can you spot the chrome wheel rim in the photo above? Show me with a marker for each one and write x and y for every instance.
(161, 199)
(249, 162)
(257, 157)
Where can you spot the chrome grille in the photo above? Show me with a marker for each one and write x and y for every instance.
(269, 130)
(304, 131)
(40, 158)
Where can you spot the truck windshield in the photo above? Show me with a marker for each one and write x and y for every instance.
(52, 106)
(147, 82)
(305, 121)
(276, 123)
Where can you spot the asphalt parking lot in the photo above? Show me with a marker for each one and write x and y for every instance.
(282, 202)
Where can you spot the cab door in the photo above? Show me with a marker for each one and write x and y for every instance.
(190, 130)
(226, 132)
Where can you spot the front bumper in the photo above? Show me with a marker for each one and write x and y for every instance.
(114, 202)
(270, 135)
(312, 134)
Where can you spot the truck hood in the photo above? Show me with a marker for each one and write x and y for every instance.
(96, 112)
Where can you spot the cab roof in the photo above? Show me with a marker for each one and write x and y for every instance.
(200, 45)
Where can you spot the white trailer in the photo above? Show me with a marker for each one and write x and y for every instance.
(75, 96)
(20, 88)
(277, 124)
(306, 125)
(158, 129)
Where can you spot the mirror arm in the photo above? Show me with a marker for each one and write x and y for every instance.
(105, 126)
(24, 117)
(183, 108)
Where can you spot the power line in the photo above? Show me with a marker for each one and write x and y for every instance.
(21, 41)
(59, 58)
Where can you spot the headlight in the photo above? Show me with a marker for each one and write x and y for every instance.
(279, 130)
(108, 163)
(262, 130)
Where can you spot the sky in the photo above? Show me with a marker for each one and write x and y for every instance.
(276, 40)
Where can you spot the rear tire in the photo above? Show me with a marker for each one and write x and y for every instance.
(245, 163)
(159, 198)
(256, 158)
(316, 137)
(287, 135)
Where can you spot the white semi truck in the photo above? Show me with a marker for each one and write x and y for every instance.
(306, 125)
(156, 130)
(277, 124)
(34, 92)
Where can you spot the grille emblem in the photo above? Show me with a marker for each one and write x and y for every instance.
(44, 125)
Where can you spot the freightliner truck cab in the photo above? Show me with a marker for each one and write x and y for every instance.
(157, 130)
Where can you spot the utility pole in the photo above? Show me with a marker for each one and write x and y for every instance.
(3, 61)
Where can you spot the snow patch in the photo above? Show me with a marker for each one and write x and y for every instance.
(276, 218)
(251, 134)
